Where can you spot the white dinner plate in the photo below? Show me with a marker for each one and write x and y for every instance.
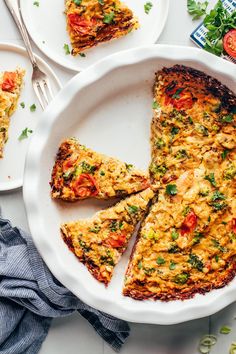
(109, 108)
(12, 164)
(46, 25)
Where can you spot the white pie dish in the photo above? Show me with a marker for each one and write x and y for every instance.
(118, 88)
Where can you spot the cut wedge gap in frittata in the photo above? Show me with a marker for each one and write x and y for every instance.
(100, 241)
(81, 173)
(10, 87)
(90, 22)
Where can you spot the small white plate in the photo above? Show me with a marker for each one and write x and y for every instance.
(109, 108)
(46, 25)
(12, 163)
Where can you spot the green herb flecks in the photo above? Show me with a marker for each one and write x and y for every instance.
(66, 49)
(211, 179)
(181, 278)
(22, 104)
(171, 189)
(224, 153)
(33, 107)
(24, 134)
(36, 3)
(197, 8)
(195, 262)
(87, 168)
(95, 229)
(160, 261)
(109, 17)
(77, 2)
(230, 172)
(133, 209)
(147, 7)
(174, 235)
(83, 55)
(155, 105)
(176, 95)
(181, 154)
(172, 265)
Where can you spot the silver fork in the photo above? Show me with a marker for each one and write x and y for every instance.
(40, 80)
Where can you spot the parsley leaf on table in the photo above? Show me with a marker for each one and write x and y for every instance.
(197, 8)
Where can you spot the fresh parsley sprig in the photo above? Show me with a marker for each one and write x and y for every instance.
(197, 8)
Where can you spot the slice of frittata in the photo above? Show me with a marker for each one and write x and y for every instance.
(90, 22)
(99, 242)
(80, 173)
(10, 88)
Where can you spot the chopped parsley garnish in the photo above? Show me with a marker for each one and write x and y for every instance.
(195, 262)
(147, 7)
(115, 225)
(24, 134)
(174, 249)
(95, 229)
(217, 258)
(217, 245)
(171, 189)
(83, 245)
(181, 278)
(87, 168)
(186, 211)
(181, 154)
(172, 265)
(224, 154)
(217, 196)
(160, 261)
(197, 8)
(133, 209)
(102, 173)
(211, 179)
(140, 265)
(174, 131)
(155, 169)
(230, 172)
(129, 166)
(202, 129)
(22, 104)
(101, 2)
(36, 3)
(77, 2)
(218, 206)
(33, 107)
(159, 143)
(227, 119)
(83, 55)
(109, 17)
(174, 235)
(107, 259)
(197, 237)
(225, 330)
(155, 105)
(176, 95)
(204, 192)
(66, 49)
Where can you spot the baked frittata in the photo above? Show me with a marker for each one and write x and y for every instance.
(99, 242)
(10, 88)
(90, 22)
(187, 244)
(80, 173)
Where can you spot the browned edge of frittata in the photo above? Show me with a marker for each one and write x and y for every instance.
(211, 84)
(185, 293)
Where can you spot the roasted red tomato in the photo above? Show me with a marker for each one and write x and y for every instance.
(85, 186)
(116, 240)
(189, 224)
(69, 162)
(233, 225)
(229, 43)
(179, 98)
(9, 81)
(81, 25)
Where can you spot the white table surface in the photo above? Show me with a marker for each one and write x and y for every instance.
(73, 335)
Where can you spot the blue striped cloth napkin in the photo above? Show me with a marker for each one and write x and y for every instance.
(30, 297)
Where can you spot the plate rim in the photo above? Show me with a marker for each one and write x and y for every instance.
(22, 50)
(81, 80)
(76, 68)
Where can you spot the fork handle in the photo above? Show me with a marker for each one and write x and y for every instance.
(15, 10)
